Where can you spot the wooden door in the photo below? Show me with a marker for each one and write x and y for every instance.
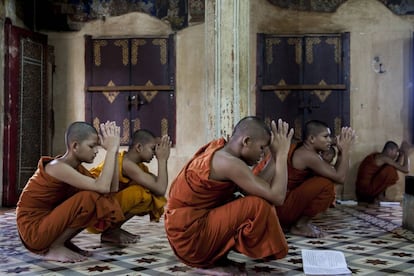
(26, 111)
(303, 77)
(131, 81)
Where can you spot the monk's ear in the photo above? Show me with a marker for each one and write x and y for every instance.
(74, 146)
(138, 147)
(311, 138)
(246, 140)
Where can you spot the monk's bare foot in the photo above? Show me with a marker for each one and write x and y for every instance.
(224, 266)
(137, 237)
(75, 248)
(118, 236)
(63, 254)
(307, 230)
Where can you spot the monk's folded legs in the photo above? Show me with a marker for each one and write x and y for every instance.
(305, 202)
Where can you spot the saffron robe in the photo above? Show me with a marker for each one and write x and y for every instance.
(372, 180)
(204, 221)
(133, 198)
(48, 206)
(307, 194)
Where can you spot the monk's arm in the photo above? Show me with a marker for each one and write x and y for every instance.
(402, 164)
(110, 140)
(102, 184)
(232, 168)
(115, 176)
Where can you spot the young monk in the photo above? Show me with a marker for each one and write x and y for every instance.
(204, 221)
(378, 171)
(62, 198)
(142, 192)
(311, 188)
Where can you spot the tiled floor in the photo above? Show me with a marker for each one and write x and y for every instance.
(371, 239)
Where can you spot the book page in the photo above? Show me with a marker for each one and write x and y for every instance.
(324, 262)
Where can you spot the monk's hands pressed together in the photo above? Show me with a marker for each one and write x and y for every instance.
(345, 140)
(281, 137)
(162, 150)
(110, 136)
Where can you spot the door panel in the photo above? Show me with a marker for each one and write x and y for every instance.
(131, 66)
(300, 78)
(27, 133)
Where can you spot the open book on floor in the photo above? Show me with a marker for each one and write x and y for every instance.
(324, 262)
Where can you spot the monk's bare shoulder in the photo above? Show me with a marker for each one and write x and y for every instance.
(223, 164)
(303, 158)
(56, 168)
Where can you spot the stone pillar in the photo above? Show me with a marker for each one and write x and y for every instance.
(227, 65)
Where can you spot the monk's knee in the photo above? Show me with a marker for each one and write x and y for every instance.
(256, 206)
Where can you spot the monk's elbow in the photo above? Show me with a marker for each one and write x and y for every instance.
(278, 201)
(340, 179)
(104, 189)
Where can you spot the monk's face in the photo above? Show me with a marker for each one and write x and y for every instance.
(254, 150)
(148, 150)
(393, 153)
(322, 141)
(87, 149)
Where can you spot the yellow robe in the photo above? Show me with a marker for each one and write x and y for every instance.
(133, 198)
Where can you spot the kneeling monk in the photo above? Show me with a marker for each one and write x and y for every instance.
(140, 191)
(311, 188)
(379, 170)
(203, 219)
(62, 198)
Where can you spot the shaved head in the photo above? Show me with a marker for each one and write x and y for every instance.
(390, 145)
(313, 128)
(251, 126)
(79, 131)
(142, 136)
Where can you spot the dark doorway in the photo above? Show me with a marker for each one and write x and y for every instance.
(26, 108)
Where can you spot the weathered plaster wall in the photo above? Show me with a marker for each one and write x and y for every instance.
(380, 103)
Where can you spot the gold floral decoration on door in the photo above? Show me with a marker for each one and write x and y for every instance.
(163, 49)
(97, 44)
(336, 42)
(110, 95)
(322, 94)
(134, 49)
(150, 94)
(269, 48)
(310, 41)
(298, 48)
(282, 94)
(125, 51)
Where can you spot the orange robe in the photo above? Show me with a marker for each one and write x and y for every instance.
(47, 207)
(307, 194)
(204, 221)
(372, 180)
(133, 198)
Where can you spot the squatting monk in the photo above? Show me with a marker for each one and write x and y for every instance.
(378, 171)
(62, 198)
(204, 220)
(311, 183)
(141, 192)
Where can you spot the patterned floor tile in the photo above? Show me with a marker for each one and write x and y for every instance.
(372, 239)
